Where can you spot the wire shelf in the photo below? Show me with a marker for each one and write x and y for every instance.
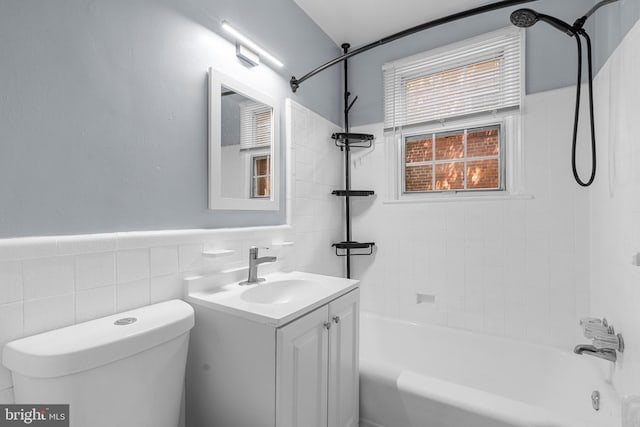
(353, 193)
(349, 246)
(354, 140)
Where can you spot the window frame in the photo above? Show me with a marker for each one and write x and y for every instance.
(513, 171)
(509, 119)
(253, 178)
(436, 130)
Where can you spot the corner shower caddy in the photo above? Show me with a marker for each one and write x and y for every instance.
(346, 141)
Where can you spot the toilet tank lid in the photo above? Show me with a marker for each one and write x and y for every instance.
(98, 342)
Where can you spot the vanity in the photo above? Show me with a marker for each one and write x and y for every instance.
(280, 353)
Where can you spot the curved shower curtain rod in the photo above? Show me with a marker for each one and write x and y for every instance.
(295, 83)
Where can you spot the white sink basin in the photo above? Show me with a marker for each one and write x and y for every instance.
(280, 299)
(280, 291)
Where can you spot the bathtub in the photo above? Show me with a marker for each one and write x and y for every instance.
(415, 375)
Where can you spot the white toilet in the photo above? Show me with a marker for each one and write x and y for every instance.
(125, 370)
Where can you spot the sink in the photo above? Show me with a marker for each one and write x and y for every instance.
(281, 298)
(281, 291)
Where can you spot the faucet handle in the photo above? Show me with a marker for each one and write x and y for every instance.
(591, 321)
(609, 341)
(595, 331)
(593, 327)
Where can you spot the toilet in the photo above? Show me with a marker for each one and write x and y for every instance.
(124, 370)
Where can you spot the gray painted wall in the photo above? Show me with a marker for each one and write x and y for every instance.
(613, 22)
(103, 109)
(230, 119)
(551, 56)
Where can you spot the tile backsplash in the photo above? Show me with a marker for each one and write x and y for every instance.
(52, 282)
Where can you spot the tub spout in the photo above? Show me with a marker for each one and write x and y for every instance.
(602, 353)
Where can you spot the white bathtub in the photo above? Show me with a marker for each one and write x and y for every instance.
(428, 376)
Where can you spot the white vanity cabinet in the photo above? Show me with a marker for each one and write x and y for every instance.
(246, 373)
(317, 367)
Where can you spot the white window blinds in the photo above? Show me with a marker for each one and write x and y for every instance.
(481, 75)
(255, 125)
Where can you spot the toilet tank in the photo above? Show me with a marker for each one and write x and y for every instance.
(124, 370)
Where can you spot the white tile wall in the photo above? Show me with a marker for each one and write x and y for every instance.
(190, 257)
(95, 270)
(96, 302)
(11, 279)
(164, 260)
(56, 272)
(615, 206)
(317, 170)
(51, 282)
(132, 295)
(511, 268)
(132, 265)
(164, 288)
(48, 313)
(11, 327)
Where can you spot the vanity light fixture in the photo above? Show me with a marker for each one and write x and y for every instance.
(248, 50)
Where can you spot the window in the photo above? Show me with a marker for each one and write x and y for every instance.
(261, 176)
(255, 139)
(453, 115)
(255, 125)
(468, 159)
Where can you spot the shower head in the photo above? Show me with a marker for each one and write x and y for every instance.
(525, 18)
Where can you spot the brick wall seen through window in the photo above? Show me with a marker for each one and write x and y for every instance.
(466, 159)
(261, 177)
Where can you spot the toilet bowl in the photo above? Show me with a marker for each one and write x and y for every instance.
(125, 370)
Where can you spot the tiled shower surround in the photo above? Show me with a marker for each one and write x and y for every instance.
(615, 205)
(527, 268)
(514, 267)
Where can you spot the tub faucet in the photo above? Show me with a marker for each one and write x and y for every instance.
(601, 353)
(606, 343)
(254, 262)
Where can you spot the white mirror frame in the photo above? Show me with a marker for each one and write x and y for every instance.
(218, 79)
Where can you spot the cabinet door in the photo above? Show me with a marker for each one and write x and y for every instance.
(302, 363)
(344, 314)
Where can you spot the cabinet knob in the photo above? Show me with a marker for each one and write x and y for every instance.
(336, 319)
(327, 325)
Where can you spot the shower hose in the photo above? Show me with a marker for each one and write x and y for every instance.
(577, 34)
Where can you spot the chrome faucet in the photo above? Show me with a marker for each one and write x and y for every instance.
(254, 262)
(606, 343)
(601, 353)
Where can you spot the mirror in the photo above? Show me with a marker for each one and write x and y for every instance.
(243, 146)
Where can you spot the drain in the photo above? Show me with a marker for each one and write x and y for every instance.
(125, 321)
(595, 400)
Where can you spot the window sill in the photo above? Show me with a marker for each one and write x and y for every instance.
(460, 198)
